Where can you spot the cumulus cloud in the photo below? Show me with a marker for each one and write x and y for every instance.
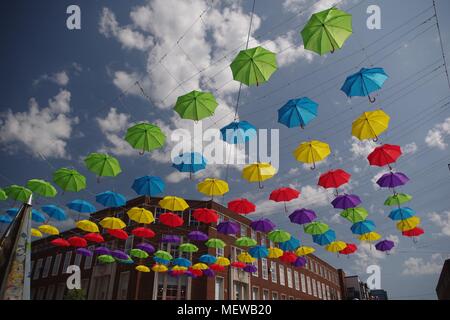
(436, 136)
(367, 254)
(361, 149)
(60, 78)
(311, 6)
(418, 266)
(410, 148)
(442, 221)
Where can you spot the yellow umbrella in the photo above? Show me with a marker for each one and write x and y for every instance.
(142, 268)
(408, 224)
(274, 253)
(222, 261)
(213, 187)
(179, 268)
(258, 172)
(336, 246)
(370, 236)
(304, 250)
(159, 268)
(87, 225)
(370, 125)
(140, 215)
(36, 233)
(112, 223)
(312, 152)
(245, 257)
(48, 229)
(173, 203)
(199, 266)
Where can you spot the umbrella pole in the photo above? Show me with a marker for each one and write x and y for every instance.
(285, 208)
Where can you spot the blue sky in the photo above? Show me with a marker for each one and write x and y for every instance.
(67, 93)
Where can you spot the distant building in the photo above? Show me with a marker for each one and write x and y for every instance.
(379, 294)
(443, 286)
(355, 289)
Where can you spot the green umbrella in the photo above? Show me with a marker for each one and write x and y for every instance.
(355, 214)
(327, 31)
(163, 255)
(245, 242)
(254, 66)
(42, 188)
(18, 193)
(145, 137)
(103, 165)
(316, 227)
(3, 195)
(279, 236)
(196, 105)
(106, 258)
(397, 199)
(215, 243)
(69, 179)
(188, 247)
(138, 253)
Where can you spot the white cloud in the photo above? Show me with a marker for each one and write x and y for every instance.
(361, 149)
(442, 221)
(375, 179)
(436, 136)
(61, 78)
(418, 266)
(44, 131)
(310, 6)
(410, 148)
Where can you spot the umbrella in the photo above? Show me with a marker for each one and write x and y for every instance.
(336, 246)
(284, 195)
(370, 236)
(197, 236)
(346, 201)
(140, 215)
(302, 216)
(3, 195)
(288, 257)
(111, 199)
(408, 224)
(278, 235)
(209, 273)
(102, 251)
(196, 105)
(145, 137)
(253, 66)
(327, 31)
(299, 262)
(12, 212)
(363, 227)
(78, 242)
(213, 187)
(385, 245)
(245, 257)
(316, 227)
(392, 180)
(297, 112)
(148, 185)
(250, 268)
(188, 247)
(125, 261)
(112, 223)
(119, 254)
(189, 162)
(415, 232)
(69, 180)
(147, 247)
(173, 203)
(37, 216)
(401, 213)
(171, 220)
(94, 237)
(169, 238)
(143, 232)
(228, 227)
(54, 212)
(245, 242)
(325, 238)
(18, 193)
(334, 178)
(370, 125)
(258, 172)
(48, 229)
(118, 233)
(216, 267)
(364, 82)
(42, 188)
(205, 215)
(207, 258)
(60, 242)
(183, 262)
(142, 268)
(238, 264)
(274, 253)
(106, 258)
(215, 243)
(103, 165)
(159, 268)
(87, 225)
(354, 215)
(258, 252)
(238, 132)
(81, 206)
(290, 245)
(199, 266)
(5, 218)
(312, 152)
(304, 250)
(35, 233)
(384, 155)
(263, 225)
(222, 261)
(161, 261)
(241, 206)
(138, 253)
(349, 249)
(397, 199)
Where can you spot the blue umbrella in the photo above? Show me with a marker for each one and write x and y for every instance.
(54, 212)
(111, 199)
(161, 261)
(12, 212)
(297, 112)
(238, 132)
(189, 162)
(37, 216)
(363, 227)
(148, 185)
(258, 252)
(5, 218)
(182, 262)
(207, 258)
(81, 206)
(290, 245)
(324, 238)
(401, 213)
(364, 82)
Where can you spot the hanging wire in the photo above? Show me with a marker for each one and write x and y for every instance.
(441, 43)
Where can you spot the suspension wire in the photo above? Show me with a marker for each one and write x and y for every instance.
(441, 43)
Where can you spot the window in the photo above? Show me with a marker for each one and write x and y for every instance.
(265, 273)
(243, 230)
(289, 277)
(253, 235)
(338, 295)
(314, 287)
(85, 284)
(88, 259)
(321, 271)
(50, 292)
(67, 261)
(271, 243)
(319, 289)
(37, 271)
(255, 263)
(328, 293)
(274, 295)
(255, 293)
(122, 290)
(302, 277)
(220, 252)
(77, 259)
(308, 285)
(129, 242)
(262, 240)
(219, 289)
(296, 281)
(220, 218)
(48, 262)
(283, 296)
(282, 281)
(56, 264)
(265, 294)
(40, 293)
(323, 291)
(273, 271)
(60, 289)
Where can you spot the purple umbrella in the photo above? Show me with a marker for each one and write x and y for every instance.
(299, 262)
(84, 252)
(147, 247)
(170, 238)
(228, 227)
(209, 273)
(385, 245)
(250, 268)
(197, 236)
(263, 225)
(392, 180)
(102, 250)
(189, 274)
(119, 254)
(346, 201)
(302, 216)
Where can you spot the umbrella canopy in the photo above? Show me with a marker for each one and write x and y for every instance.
(392, 180)
(118, 233)
(284, 194)
(370, 236)
(349, 249)
(312, 152)
(138, 253)
(245, 257)
(171, 220)
(182, 262)
(188, 247)
(60, 242)
(245, 242)
(364, 82)
(140, 215)
(209, 273)
(81, 206)
(111, 199)
(37, 216)
(334, 178)
(196, 105)
(385, 245)
(207, 258)
(12, 212)
(199, 266)
(170, 238)
(54, 212)
(401, 213)
(142, 268)
(408, 224)
(363, 227)
(290, 245)
(263, 225)
(94, 237)
(145, 137)
(42, 188)
(36, 233)
(143, 232)
(297, 112)
(384, 155)
(415, 232)
(238, 132)
(48, 229)
(253, 66)
(355, 215)
(250, 268)
(87, 225)
(148, 186)
(102, 251)
(173, 203)
(69, 180)
(288, 257)
(397, 199)
(4, 218)
(304, 250)
(205, 215)
(326, 31)
(258, 252)
(163, 255)
(302, 216)
(159, 268)
(316, 227)
(197, 236)
(189, 162)
(125, 261)
(213, 187)
(216, 267)
(241, 206)
(161, 261)
(346, 201)
(336, 246)
(228, 227)
(18, 193)
(106, 258)
(325, 238)
(258, 172)
(3, 195)
(78, 242)
(147, 247)
(274, 253)
(238, 264)
(299, 262)
(370, 125)
(222, 261)
(112, 223)
(279, 236)
(103, 165)
(215, 243)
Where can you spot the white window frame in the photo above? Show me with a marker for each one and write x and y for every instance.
(56, 264)
(47, 264)
(289, 277)
(273, 271)
(319, 289)
(282, 275)
(67, 259)
(314, 288)
(296, 281)
(37, 269)
(88, 260)
(308, 285)
(264, 269)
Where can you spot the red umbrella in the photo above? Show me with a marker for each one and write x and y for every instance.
(196, 272)
(349, 249)
(414, 233)
(205, 215)
(143, 232)
(288, 257)
(171, 219)
(238, 264)
(118, 233)
(284, 194)
(217, 267)
(78, 242)
(241, 206)
(60, 242)
(384, 155)
(334, 178)
(94, 237)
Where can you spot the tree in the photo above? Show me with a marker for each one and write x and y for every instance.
(75, 294)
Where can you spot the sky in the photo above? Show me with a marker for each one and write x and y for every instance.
(67, 93)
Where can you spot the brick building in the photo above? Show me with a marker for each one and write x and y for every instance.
(273, 279)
